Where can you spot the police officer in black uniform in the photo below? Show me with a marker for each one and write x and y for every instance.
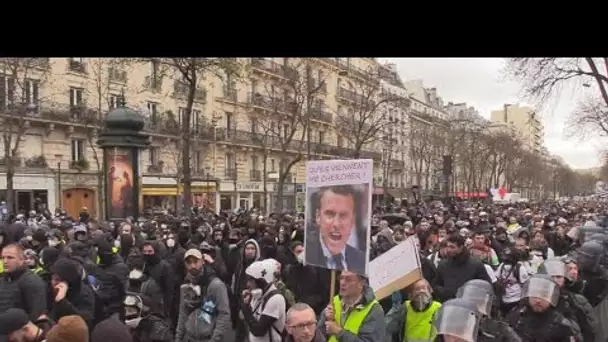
(536, 319)
(593, 275)
(573, 306)
(481, 293)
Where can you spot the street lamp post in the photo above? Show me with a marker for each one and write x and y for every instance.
(59, 196)
(207, 182)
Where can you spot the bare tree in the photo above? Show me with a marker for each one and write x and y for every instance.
(365, 119)
(189, 74)
(420, 134)
(262, 131)
(285, 106)
(109, 78)
(543, 78)
(21, 83)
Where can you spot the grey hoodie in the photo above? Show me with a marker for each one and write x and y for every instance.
(192, 327)
(373, 328)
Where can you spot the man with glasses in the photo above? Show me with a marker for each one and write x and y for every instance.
(302, 324)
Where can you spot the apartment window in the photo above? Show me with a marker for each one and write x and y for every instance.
(254, 126)
(76, 97)
(254, 162)
(195, 118)
(154, 153)
(229, 121)
(153, 110)
(230, 161)
(286, 131)
(321, 137)
(198, 158)
(154, 69)
(78, 149)
(7, 91)
(272, 165)
(32, 91)
(115, 101)
(320, 76)
(76, 64)
(340, 142)
(181, 112)
(254, 86)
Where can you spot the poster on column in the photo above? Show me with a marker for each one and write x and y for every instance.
(119, 182)
(338, 214)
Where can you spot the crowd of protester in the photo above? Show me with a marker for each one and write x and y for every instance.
(528, 271)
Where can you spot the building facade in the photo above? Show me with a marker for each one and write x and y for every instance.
(526, 123)
(250, 132)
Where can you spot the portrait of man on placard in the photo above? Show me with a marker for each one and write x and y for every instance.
(336, 234)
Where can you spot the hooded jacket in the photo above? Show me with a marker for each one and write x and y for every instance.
(79, 299)
(209, 320)
(238, 278)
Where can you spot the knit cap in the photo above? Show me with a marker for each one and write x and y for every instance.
(69, 329)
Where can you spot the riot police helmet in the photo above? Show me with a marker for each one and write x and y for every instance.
(480, 292)
(458, 318)
(541, 286)
(589, 254)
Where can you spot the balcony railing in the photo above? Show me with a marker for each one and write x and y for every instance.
(273, 103)
(62, 114)
(316, 85)
(230, 174)
(117, 75)
(156, 167)
(321, 115)
(255, 175)
(153, 83)
(274, 68)
(230, 94)
(77, 66)
(181, 90)
(353, 96)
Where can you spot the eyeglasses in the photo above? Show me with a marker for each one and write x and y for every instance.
(307, 325)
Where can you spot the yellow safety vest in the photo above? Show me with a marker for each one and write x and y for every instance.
(355, 317)
(114, 251)
(1, 267)
(38, 270)
(419, 325)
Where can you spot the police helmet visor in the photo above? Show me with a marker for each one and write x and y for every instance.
(457, 322)
(585, 259)
(479, 296)
(541, 288)
(554, 268)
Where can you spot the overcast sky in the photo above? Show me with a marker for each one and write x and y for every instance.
(480, 83)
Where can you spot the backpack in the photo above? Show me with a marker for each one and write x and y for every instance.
(93, 283)
(265, 300)
(502, 281)
(93, 279)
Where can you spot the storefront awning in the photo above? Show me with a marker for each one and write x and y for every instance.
(173, 191)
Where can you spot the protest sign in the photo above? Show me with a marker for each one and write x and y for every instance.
(338, 210)
(395, 269)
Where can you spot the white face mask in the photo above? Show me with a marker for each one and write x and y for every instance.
(300, 258)
(53, 242)
(133, 323)
(117, 243)
(170, 243)
(256, 293)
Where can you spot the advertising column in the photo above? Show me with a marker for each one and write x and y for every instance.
(121, 182)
